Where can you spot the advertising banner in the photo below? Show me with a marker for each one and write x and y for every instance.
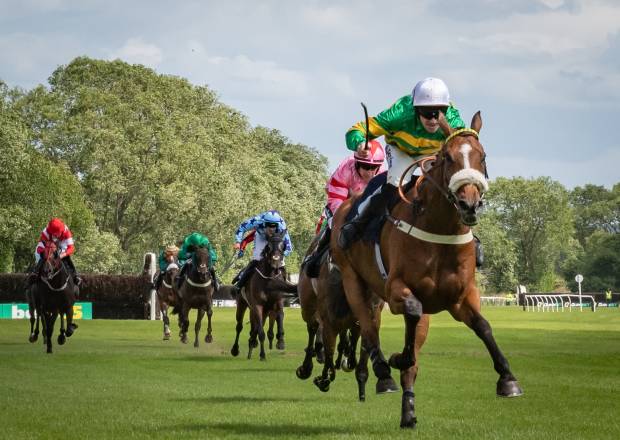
(81, 310)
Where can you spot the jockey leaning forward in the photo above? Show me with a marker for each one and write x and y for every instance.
(411, 130)
(60, 234)
(192, 242)
(265, 225)
(350, 179)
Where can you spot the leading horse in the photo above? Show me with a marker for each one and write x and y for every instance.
(54, 294)
(428, 259)
(263, 294)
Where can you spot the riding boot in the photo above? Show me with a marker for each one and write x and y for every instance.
(479, 252)
(181, 276)
(244, 275)
(216, 284)
(159, 279)
(353, 230)
(76, 278)
(312, 261)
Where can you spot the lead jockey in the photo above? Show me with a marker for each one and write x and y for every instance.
(59, 233)
(411, 131)
(350, 179)
(192, 242)
(265, 225)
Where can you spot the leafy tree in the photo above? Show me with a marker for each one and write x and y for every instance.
(596, 209)
(536, 217)
(500, 255)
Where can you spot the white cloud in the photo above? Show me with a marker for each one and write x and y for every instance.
(136, 51)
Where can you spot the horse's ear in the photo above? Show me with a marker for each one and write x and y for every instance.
(476, 122)
(443, 124)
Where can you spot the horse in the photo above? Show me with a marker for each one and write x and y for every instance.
(262, 293)
(427, 252)
(276, 316)
(54, 294)
(196, 292)
(167, 295)
(327, 314)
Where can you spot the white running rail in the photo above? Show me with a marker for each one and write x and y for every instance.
(554, 303)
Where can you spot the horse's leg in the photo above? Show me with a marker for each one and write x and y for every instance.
(329, 371)
(261, 331)
(354, 290)
(280, 322)
(71, 326)
(33, 319)
(165, 319)
(50, 319)
(184, 320)
(270, 334)
(61, 335)
(350, 360)
(241, 306)
(200, 313)
(252, 340)
(342, 347)
(319, 349)
(305, 369)
(209, 335)
(469, 313)
(361, 374)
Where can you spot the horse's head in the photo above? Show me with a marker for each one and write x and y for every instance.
(274, 250)
(463, 168)
(200, 262)
(172, 269)
(52, 262)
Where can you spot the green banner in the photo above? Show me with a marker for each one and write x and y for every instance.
(81, 310)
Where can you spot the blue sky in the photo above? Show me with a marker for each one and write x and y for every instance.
(544, 73)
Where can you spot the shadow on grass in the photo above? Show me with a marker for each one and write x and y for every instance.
(238, 399)
(257, 429)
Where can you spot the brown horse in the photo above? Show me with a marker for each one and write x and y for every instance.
(54, 294)
(262, 293)
(167, 295)
(276, 318)
(324, 306)
(429, 256)
(196, 292)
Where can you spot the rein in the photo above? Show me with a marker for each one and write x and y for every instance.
(265, 277)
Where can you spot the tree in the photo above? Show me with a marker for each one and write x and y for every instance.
(536, 217)
(596, 209)
(500, 255)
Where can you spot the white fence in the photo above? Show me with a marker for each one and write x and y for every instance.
(557, 302)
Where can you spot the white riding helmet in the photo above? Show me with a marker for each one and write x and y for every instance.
(431, 92)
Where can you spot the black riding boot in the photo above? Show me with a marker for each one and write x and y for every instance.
(159, 279)
(216, 284)
(244, 275)
(312, 261)
(479, 252)
(352, 231)
(76, 278)
(181, 276)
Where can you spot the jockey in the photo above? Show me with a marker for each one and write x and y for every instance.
(166, 257)
(192, 242)
(350, 178)
(57, 232)
(411, 130)
(265, 225)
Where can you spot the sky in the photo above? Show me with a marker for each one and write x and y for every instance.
(545, 74)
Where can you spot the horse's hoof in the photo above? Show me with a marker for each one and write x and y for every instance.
(234, 351)
(320, 356)
(253, 344)
(33, 338)
(263, 358)
(509, 388)
(408, 423)
(386, 385)
(61, 339)
(166, 337)
(347, 366)
(184, 340)
(362, 397)
(303, 372)
(280, 345)
(196, 344)
(49, 351)
(321, 384)
(208, 339)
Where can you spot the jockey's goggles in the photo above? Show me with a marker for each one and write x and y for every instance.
(369, 166)
(431, 112)
(271, 225)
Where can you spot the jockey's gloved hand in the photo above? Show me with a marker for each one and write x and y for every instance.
(240, 253)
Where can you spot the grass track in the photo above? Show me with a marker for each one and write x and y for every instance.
(118, 379)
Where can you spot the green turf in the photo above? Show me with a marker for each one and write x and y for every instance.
(118, 379)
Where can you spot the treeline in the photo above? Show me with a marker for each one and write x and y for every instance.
(133, 160)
